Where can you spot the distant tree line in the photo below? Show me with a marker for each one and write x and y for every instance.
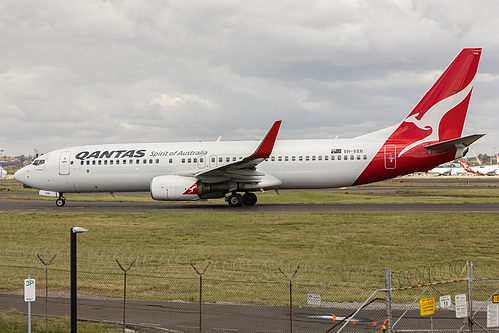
(13, 163)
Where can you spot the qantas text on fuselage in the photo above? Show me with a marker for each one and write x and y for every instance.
(122, 153)
(431, 134)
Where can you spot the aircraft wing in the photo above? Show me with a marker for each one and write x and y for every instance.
(455, 143)
(244, 171)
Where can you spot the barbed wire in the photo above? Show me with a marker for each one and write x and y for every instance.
(441, 271)
(240, 268)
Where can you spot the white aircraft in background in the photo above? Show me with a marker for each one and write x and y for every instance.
(429, 136)
(3, 173)
(447, 171)
(484, 170)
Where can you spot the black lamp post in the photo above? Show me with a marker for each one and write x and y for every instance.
(74, 231)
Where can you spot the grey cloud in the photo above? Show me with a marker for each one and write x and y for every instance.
(84, 72)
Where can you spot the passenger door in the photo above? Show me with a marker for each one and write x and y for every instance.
(64, 164)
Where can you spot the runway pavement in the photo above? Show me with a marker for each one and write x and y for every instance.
(71, 206)
(9, 203)
(153, 316)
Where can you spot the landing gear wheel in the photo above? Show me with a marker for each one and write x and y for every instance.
(60, 202)
(235, 200)
(250, 199)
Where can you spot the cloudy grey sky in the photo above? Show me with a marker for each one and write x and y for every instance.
(78, 72)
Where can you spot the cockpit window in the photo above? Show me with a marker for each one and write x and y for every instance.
(38, 162)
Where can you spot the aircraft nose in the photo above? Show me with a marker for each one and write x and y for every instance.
(21, 175)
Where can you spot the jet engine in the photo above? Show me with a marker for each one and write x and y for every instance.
(179, 188)
(174, 188)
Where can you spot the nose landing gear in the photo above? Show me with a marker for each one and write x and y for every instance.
(61, 201)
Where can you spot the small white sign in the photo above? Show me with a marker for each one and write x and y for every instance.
(461, 306)
(493, 315)
(314, 299)
(445, 301)
(29, 290)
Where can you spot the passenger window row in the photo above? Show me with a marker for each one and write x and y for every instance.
(117, 162)
(189, 160)
(317, 158)
(221, 159)
(213, 159)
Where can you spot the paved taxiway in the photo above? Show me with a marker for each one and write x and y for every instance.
(184, 316)
(9, 203)
(48, 206)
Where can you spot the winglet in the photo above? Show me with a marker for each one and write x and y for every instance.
(265, 148)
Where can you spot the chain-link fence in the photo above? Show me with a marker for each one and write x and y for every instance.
(194, 293)
(446, 297)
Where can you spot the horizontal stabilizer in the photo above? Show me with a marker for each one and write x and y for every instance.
(454, 143)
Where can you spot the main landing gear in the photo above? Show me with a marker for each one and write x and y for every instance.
(237, 200)
(61, 201)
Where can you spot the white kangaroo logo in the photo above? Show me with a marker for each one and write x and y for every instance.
(432, 118)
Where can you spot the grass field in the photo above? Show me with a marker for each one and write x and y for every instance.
(342, 239)
(397, 240)
(14, 322)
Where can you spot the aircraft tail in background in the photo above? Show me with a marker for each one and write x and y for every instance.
(484, 170)
(466, 167)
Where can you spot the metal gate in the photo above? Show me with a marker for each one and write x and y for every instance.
(454, 305)
(451, 298)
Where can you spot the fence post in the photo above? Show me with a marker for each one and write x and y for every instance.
(470, 294)
(388, 287)
(46, 289)
(290, 297)
(200, 293)
(124, 288)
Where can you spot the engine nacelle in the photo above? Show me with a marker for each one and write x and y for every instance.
(174, 188)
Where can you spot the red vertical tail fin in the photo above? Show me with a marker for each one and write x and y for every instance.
(441, 113)
(438, 118)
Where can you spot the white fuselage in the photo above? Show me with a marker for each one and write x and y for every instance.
(447, 171)
(131, 167)
(486, 169)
